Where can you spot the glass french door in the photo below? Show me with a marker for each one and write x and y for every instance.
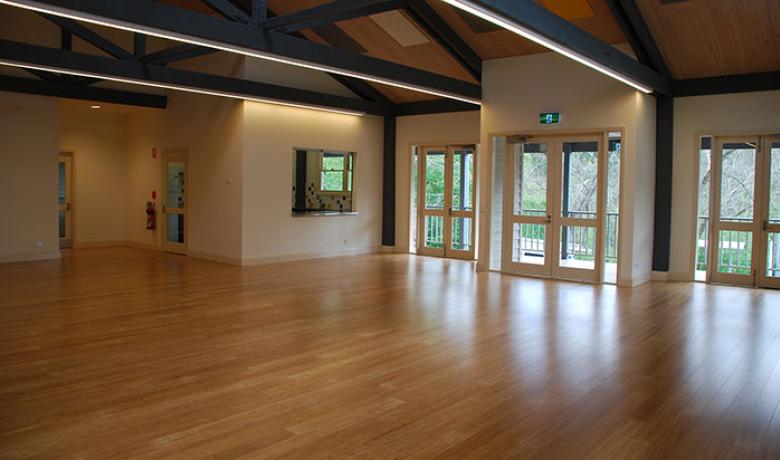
(446, 197)
(64, 197)
(552, 226)
(745, 236)
(174, 215)
(769, 268)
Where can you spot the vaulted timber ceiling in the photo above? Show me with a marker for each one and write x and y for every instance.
(698, 38)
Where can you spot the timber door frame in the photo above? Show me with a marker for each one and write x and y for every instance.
(766, 227)
(168, 246)
(446, 212)
(554, 221)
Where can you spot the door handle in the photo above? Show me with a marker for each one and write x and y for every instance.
(67, 206)
(548, 220)
(764, 225)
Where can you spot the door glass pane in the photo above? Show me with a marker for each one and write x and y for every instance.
(62, 229)
(462, 180)
(175, 185)
(413, 213)
(174, 226)
(61, 182)
(434, 232)
(434, 180)
(578, 247)
(735, 252)
(611, 230)
(528, 243)
(773, 255)
(579, 179)
(737, 182)
(530, 179)
(461, 233)
(774, 183)
(703, 210)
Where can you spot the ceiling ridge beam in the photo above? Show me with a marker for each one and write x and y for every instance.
(75, 91)
(634, 27)
(54, 60)
(328, 13)
(90, 36)
(445, 36)
(435, 106)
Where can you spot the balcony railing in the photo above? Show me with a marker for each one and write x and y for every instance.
(735, 248)
(579, 241)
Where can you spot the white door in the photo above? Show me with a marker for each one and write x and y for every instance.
(175, 202)
(64, 200)
(553, 190)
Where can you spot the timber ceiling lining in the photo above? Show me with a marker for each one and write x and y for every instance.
(704, 38)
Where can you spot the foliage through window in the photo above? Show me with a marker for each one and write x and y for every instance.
(336, 172)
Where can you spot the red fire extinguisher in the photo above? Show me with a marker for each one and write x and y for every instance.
(151, 216)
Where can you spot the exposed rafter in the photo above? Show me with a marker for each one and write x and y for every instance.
(537, 21)
(90, 37)
(440, 31)
(229, 10)
(744, 83)
(42, 58)
(634, 27)
(74, 91)
(328, 13)
(430, 107)
(159, 19)
(176, 53)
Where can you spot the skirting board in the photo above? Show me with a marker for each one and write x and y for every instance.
(9, 258)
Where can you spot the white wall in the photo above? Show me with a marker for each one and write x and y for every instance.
(516, 90)
(437, 129)
(29, 127)
(144, 172)
(98, 143)
(746, 113)
(269, 230)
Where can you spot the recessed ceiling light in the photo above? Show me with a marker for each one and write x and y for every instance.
(95, 106)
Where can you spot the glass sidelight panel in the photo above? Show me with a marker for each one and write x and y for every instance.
(773, 255)
(735, 252)
(774, 183)
(175, 185)
(578, 247)
(529, 243)
(703, 208)
(531, 169)
(461, 233)
(579, 179)
(737, 186)
(434, 180)
(462, 180)
(434, 232)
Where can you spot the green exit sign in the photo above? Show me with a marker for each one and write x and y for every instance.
(550, 118)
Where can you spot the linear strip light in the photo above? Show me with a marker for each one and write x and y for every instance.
(541, 40)
(185, 88)
(176, 36)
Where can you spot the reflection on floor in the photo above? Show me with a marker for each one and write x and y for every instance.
(121, 352)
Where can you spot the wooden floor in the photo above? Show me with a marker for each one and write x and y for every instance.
(114, 353)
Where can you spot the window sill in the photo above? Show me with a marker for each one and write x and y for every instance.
(323, 213)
